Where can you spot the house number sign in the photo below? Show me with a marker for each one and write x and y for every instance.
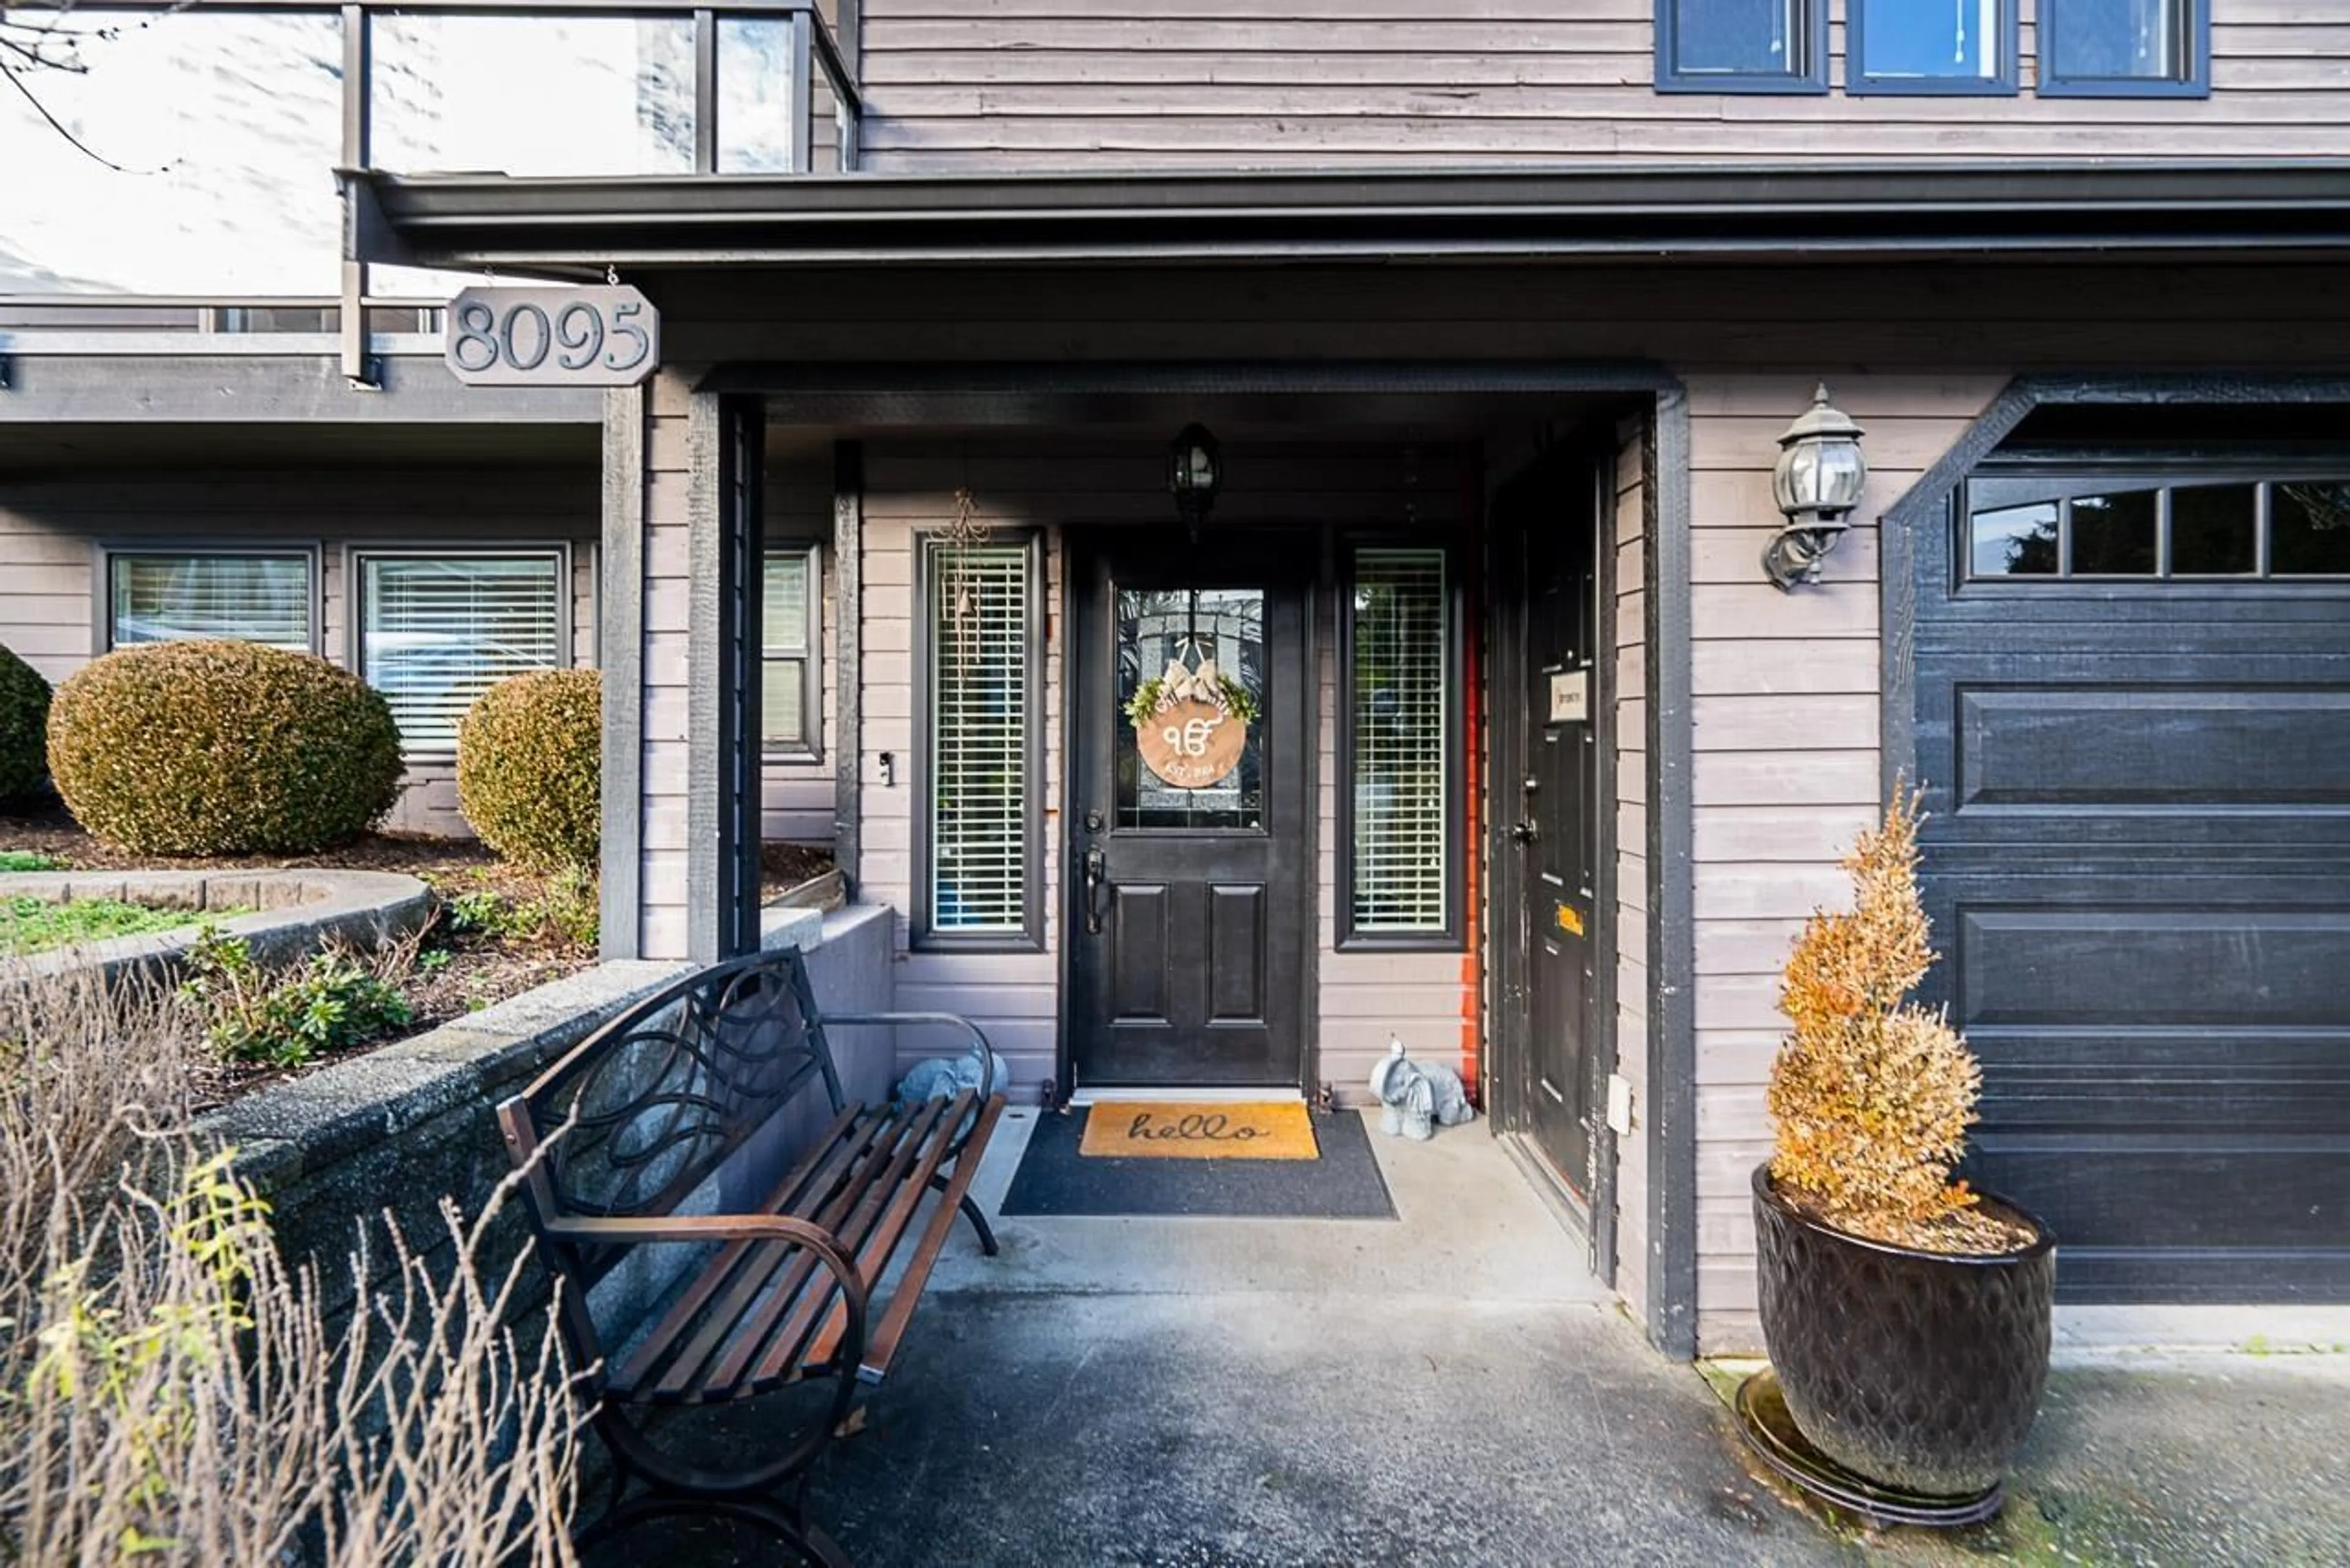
(605, 336)
(1192, 744)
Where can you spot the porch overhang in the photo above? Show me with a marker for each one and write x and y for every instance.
(563, 226)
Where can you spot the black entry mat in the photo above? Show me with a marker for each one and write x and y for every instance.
(1343, 1184)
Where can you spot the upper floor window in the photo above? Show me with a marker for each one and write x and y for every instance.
(1741, 46)
(2124, 49)
(1930, 47)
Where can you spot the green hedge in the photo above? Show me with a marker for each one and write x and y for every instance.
(221, 748)
(530, 758)
(23, 728)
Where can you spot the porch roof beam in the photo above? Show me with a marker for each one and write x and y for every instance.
(470, 221)
(174, 385)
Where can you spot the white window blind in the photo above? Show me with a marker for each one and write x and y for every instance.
(253, 598)
(980, 675)
(1400, 845)
(789, 723)
(435, 632)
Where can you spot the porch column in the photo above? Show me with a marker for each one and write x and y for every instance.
(620, 639)
(723, 441)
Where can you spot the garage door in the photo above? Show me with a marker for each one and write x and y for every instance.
(2132, 713)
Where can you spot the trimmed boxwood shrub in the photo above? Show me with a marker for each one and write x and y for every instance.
(530, 759)
(23, 728)
(221, 748)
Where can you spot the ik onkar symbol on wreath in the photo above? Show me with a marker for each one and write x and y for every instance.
(1190, 724)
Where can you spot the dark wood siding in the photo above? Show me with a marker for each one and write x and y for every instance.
(965, 84)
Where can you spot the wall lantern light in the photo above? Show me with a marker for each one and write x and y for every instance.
(1195, 472)
(1817, 483)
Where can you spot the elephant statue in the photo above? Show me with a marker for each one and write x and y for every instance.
(1418, 1097)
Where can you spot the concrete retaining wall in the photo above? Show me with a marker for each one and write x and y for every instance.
(403, 1127)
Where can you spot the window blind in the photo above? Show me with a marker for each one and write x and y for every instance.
(435, 632)
(980, 676)
(784, 684)
(253, 598)
(1401, 859)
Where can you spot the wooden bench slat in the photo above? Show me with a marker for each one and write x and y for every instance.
(880, 1243)
(782, 1326)
(881, 1339)
(661, 1340)
(831, 1199)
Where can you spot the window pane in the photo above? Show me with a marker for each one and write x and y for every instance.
(1946, 40)
(2213, 530)
(436, 634)
(754, 106)
(2015, 542)
(2127, 39)
(1743, 38)
(253, 598)
(1159, 628)
(2309, 528)
(533, 95)
(2113, 536)
(979, 678)
(1401, 730)
(783, 697)
(783, 601)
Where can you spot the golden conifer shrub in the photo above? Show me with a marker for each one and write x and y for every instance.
(1872, 1093)
(530, 760)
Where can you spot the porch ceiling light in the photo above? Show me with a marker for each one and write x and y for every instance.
(1195, 472)
(1817, 483)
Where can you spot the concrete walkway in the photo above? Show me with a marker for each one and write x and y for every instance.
(1450, 1390)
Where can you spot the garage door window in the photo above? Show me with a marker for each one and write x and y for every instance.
(2058, 529)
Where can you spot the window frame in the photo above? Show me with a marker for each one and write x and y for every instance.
(1813, 81)
(2195, 50)
(2005, 83)
(356, 559)
(811, 747)
(921, 932)
(1454, 935)
(108, 551)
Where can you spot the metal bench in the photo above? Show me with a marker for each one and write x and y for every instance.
(633, 1130)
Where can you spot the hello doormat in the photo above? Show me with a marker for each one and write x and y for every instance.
(1199, 1130)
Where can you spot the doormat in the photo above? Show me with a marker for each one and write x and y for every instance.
(1193, 1130)
(1342, 1182)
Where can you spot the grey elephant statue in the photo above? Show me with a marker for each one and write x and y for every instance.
(1418, 1097)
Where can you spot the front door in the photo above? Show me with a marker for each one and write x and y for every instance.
(1546, 523)
(1189, 848)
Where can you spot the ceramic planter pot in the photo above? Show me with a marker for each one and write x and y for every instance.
(1916, 1370)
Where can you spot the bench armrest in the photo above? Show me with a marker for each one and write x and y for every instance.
(979, 1046)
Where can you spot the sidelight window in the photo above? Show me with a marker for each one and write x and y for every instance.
(433, 632)
(790, 686)
(161, 595)
(1930, 47)
(2124, 49)
(1400, 784)
(981, 630)
(1741, 46)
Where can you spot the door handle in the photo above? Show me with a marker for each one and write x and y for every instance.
(1527, 832)
(1097, 878)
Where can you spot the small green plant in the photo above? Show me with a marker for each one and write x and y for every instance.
(28, 860)
(572, 905)
(434, 960)
(329, 1002)
(484, 912)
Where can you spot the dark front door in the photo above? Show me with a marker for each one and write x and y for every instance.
(1546, 804)
(1189, 914)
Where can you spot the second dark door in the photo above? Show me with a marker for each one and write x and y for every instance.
(1189, 914)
